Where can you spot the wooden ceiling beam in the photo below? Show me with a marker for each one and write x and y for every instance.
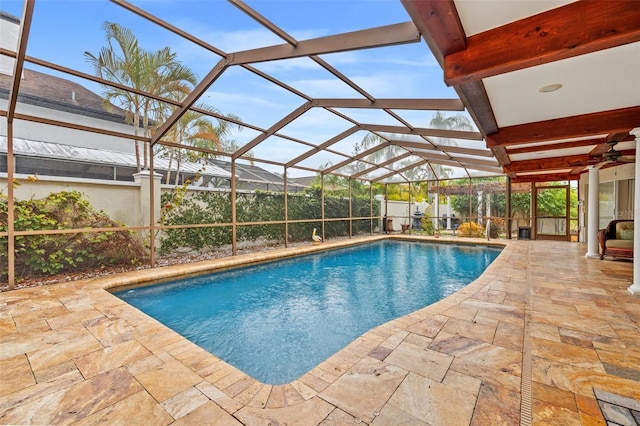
(550, 177)
(567, 162)
(439, 24)
(474, 96)
(554, 146)
(546, 37)
(500, 154)
(612, 121)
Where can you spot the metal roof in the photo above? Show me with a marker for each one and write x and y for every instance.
(58, 151)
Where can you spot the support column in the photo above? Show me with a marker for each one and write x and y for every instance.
(436, 202)
(286, 208)
(234, 211)
(11, 241)
(508, 208)
(350, 208)
(635, 287)
(144, 179)
(448, 213)
(479, 207)
(324, 237)
(593, 215)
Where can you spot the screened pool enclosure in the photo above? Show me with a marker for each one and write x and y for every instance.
(213, 142)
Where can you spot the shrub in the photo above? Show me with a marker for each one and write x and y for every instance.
(181, 208)
(470, 229)
(38, 255)
(496, 226)
(427, 225)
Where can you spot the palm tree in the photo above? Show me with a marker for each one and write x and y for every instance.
(194, 129)
(231, 145)
(452, 122)
(370, 140)
(167, 78)
(124, 62)
(197, 129)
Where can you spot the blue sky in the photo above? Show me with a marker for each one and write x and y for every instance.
(63, 30)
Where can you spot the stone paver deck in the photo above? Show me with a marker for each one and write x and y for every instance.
(530, 342)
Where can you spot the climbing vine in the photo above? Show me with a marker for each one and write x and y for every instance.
(37, 255)
(210, 207)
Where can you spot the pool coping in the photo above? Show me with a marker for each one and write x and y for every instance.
(235, 388)
(219, 265)
(144, 277)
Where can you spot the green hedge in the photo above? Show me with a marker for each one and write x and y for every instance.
(208, 207)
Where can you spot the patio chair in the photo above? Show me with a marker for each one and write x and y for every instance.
(616, 240)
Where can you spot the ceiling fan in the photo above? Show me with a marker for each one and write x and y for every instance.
(610, 157)
(613, 156)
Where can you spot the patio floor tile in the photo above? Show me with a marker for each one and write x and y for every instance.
(167, 380)
(532, 340)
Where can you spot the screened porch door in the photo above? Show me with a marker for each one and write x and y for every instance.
(552, 210)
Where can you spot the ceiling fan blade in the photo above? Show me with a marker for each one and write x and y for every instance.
(589, 162)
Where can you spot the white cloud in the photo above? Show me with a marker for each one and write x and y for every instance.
(239, 99)
(287, 65)
(324, 88)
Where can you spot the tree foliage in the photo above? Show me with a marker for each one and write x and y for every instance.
(161, 74)
(209, 207)
(124, 62)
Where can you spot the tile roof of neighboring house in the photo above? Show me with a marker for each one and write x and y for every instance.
(257, 175)
(9, 17)
(57, 93)
(304, 180)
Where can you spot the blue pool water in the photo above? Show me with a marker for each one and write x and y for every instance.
(275, 321)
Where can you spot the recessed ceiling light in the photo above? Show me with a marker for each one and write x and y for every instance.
(550, 88)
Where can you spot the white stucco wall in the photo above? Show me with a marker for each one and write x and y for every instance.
(8, 40)
(401, 211)
(612, 174)
(66, 136)
(120, 200)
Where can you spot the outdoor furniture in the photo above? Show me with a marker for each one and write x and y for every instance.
(616, 240)
(524, 232)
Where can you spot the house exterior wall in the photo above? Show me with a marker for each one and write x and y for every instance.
(9, 29)
(623, 178)
(400, 212)
(66, 136)
(120, 200)
(125, 202)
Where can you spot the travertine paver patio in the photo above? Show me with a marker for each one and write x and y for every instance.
(531, 339)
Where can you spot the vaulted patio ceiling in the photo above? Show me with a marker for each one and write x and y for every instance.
(499, 55)
(496, 55)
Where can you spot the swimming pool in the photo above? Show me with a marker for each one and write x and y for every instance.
(275, 321)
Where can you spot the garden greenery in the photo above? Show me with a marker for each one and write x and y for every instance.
(211, 207)
(37, 255)
(471, 229)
